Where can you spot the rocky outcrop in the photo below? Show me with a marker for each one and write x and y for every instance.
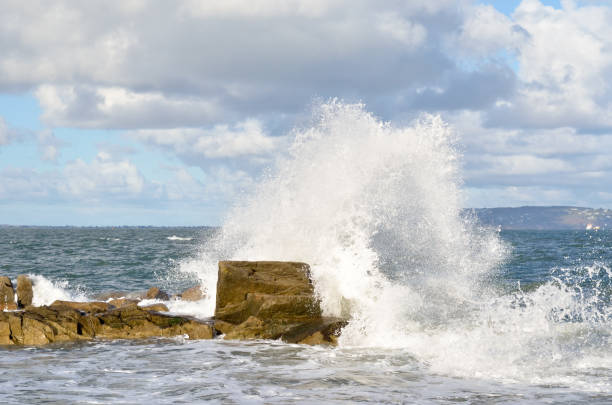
(194, 293)
(156, 307)
(93, 307)
(255, 300)
(271, 300)
(25, 293)
(63, 322)
(123, 302)
(7, 294)
(155, 293)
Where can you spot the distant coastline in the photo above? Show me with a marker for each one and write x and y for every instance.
(508, 218)
(545, 218)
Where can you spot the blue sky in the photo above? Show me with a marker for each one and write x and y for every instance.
(146, 112)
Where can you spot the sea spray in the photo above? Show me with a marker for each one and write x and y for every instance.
(46, 291)
(375, 210)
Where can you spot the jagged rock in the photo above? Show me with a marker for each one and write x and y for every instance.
(155, 293)
(156, 307)
(7, 294)
(123, 302)
(91, 307)
(64, 321)
(25, 293)
(194, 293)
(271, 300)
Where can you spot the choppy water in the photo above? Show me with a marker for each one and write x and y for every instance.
(442, 310)
(90, 260)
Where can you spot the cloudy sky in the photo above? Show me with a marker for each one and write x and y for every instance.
(160, 113)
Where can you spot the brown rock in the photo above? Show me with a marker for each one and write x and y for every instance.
(5, 330)
(24, 291)
(156, 307)
(194, 293)
(133, 295)
(16, 331)
(123, 302)
(88, 307)
(271, 300)
(61, 323)
(155, 293)
(7, 294)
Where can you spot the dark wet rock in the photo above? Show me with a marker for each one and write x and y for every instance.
(25, 294)
(155, 293)
(271, 300)
(7, 294)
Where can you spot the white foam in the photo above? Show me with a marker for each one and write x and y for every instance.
(46, 291)
(174, 237)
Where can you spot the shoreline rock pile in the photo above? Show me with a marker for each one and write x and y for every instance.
(255, 300)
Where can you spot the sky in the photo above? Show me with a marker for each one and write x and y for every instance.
(149, 112)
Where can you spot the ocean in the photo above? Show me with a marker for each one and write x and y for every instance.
(442, 309)
(543, 337)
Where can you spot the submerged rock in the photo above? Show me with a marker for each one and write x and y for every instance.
(67, 321)
(7, 294)
(271, 300)
(25, 294)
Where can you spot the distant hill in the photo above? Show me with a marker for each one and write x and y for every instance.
(545, 218)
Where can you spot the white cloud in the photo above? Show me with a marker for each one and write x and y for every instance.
(565, 68)
(406, 32)
(103, 178)
(256, 8)
(523, 164)
(152, 64)
(96, 107)
(513, 196)
(200, 80)
(485, 31)
(196, 145)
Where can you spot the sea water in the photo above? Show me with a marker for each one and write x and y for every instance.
(442, 310)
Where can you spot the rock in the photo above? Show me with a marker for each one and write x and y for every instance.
(156, 307)
(65, 321)
(5, 330)
(123, 302)
(155, 293)
(90, 307)
(110, 295)
(7, 294)
(25, 293)
(194, 293)
(271, 300)
(133, 295)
